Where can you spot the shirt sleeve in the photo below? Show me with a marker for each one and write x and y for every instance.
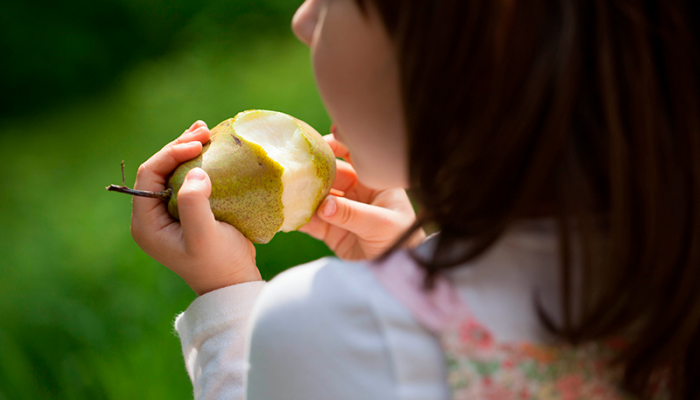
(212, 332)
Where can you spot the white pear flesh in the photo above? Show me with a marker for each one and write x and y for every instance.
(283, 139)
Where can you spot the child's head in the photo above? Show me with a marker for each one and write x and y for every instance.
(358, 78)
(587, 111)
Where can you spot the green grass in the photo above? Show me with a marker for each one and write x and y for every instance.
(85, 313)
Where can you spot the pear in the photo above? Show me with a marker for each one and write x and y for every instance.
(269, 173)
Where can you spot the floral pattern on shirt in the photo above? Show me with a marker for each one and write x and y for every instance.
(479, 367)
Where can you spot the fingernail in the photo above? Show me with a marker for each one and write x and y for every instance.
(197, 131)
(199, 122)
(329, 207)
(197, 174)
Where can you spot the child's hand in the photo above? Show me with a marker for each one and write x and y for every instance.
(364, 223)
(206, 253)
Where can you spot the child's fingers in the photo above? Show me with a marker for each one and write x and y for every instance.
(200, 134)
(151, 174)
(148, 212)
(196, 218)
(359, 218)
(195, 125)
(345, 176)
(316, 228)
(346, 181)
(339, 149)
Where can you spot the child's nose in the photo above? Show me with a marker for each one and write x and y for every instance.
(304, 21)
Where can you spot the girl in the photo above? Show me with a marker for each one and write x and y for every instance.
(556, 146)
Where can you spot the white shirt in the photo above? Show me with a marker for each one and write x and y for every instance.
(330, 330)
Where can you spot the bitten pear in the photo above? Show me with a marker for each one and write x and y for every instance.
(269, 173)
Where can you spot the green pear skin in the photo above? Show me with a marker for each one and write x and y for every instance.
(246, 183)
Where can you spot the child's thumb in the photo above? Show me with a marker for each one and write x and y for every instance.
(196, 218)
(359, 218)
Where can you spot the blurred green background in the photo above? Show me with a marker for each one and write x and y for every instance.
(84, 313)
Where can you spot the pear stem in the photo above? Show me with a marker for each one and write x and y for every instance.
(164, 195)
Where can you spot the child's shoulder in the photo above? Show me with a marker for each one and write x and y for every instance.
(321, 288)
(333, 321)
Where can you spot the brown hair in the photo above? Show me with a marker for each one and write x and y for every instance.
(583, 110)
